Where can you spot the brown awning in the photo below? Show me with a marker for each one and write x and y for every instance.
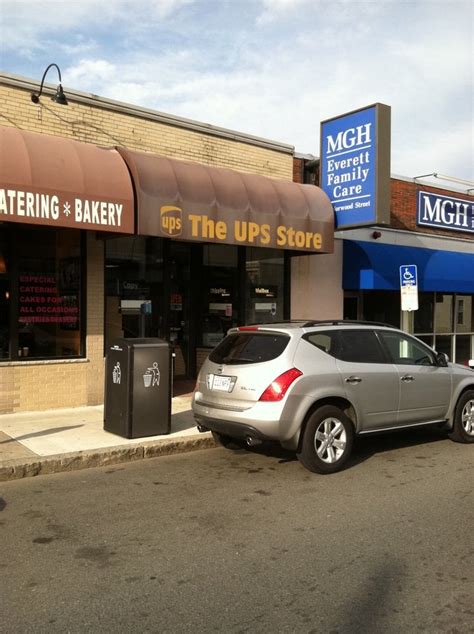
(191, 201)
(49, 180)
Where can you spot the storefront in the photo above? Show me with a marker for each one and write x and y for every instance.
(431, 228)
(225, 260)
(102, 243)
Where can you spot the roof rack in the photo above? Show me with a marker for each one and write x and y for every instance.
(344, 322)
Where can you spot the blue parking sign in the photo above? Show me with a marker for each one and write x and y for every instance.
(408, 275)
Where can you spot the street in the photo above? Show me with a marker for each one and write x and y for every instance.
(222, 541)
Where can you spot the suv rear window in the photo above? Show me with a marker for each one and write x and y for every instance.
(239, 348)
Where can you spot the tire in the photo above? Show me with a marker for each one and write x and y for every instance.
(317, 454)
(463, 427)
(227, 441)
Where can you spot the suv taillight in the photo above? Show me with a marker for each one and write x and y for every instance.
(278, 388)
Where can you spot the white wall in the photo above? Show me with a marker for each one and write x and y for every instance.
(316, 285)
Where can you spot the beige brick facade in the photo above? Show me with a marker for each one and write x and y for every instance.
(108, 127)
(39, 385)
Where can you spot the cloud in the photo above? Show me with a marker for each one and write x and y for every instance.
(276, 68)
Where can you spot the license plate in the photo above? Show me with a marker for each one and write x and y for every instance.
(221, 383)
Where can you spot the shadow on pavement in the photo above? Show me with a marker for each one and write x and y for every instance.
(43, 432)
(364, 447)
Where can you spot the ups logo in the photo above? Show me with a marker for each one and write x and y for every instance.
(171, 220)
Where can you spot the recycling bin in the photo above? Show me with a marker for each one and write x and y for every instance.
(138, 388)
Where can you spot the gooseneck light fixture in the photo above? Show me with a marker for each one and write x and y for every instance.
(58, 97)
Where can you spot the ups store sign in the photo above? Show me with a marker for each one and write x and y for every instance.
(177, 223)
(443, 212)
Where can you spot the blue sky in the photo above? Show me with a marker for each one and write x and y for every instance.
(272, 68)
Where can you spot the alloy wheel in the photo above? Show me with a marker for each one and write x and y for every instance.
(330, 440)
(467, 417)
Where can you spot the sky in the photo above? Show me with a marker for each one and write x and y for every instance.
(270, 68)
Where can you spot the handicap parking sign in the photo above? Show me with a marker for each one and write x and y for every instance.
(408, 275)
(409, 287)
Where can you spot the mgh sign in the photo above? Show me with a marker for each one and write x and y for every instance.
(443, 212)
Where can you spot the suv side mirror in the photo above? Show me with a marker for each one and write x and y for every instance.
(470, 363)
(442, 359)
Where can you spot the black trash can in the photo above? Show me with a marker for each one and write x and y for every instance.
(138, 385)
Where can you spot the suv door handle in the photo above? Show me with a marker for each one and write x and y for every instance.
(407, 378)
(353, 379)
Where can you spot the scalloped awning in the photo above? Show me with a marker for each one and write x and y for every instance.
(49, 180)
(190, 201)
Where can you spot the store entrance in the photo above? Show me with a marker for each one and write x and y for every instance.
(179, 301)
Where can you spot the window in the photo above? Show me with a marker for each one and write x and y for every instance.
(359, 346)
(382, 306)
(41, 295)
(355, 346)
(240, 348)
(446, 322)
(219, 294)
(405, 350)
(264, 285)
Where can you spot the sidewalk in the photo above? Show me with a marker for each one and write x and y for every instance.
(34, 443)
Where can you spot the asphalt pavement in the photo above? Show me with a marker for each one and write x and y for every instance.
(246, 541)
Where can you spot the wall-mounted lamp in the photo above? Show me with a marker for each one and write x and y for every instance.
(58, 97)
(376, 235)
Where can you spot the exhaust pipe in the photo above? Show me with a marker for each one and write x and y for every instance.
(252, 442)
(202, 429)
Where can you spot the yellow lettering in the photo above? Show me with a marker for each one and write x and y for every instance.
(221, 230)
(265, 231)
(240, 231)
(281, 236)
(254, 230)
(195, 223)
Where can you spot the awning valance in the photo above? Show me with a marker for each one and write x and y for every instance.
(191, 201)
(370, 266)
(48, 180)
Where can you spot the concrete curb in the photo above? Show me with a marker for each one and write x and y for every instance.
(29, 467)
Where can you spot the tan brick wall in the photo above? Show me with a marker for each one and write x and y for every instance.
(109, 128)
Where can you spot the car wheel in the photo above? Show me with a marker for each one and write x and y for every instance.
(327, 440)
(227, 441)
(463, 428)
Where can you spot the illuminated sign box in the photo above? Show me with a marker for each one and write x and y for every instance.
(355, 166)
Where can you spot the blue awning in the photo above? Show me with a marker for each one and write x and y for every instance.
(376, 266)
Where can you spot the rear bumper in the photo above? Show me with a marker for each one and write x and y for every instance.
(229, 428)
(262, 421)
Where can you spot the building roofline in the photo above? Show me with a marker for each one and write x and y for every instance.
(422, 181)
(89, 99)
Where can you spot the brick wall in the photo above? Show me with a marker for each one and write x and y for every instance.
(110, 128)
(404, 196)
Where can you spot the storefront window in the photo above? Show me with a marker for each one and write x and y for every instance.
(444, 313)
(219, 292)
(41, 294)
(5, 298)
(264, 285)
(382, 306)
(423, 317)
(134, 288)
(464, 315)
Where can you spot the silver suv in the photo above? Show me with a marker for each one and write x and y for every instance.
(313, 386)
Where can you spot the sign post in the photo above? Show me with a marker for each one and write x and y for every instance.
(409, 287)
